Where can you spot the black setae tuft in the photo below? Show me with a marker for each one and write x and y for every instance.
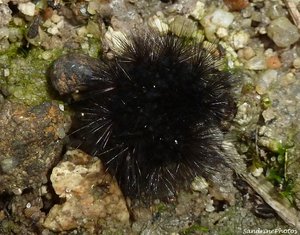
(153, 114)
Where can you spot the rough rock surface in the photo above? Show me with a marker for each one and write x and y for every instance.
(30, 144)
(93, 199)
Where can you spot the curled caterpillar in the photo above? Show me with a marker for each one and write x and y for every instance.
(154, 114)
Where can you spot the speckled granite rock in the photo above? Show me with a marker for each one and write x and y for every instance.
(93, 199)
(30, 144)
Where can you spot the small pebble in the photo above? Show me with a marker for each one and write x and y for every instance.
(288, 79)
(46, 55)
(247, 12)
(56, 18)
(4, 33)
(82, 31)
(5, 14)
(257, 171)
(222, 18)
(236, 5)
(248, 53)
(93, 28)
(17, 191)
(60, 24)
(222, 32)
(199, 184)
(93, 7)
(256, 16)
(242, 116)
(275, 11)
(257, 62)
(273, 62)
(296, 63)
(262, 130)
(47, 23)
(18, 21)
(240, 39)
(61, 107)
(27, 8)
(198, 11)
(6, 72)
(262, 30)
(268, 115)
(7, 165)
(265, 80)
(209, 206)
(53, 30)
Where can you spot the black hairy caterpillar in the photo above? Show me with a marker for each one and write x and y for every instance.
(154, 114)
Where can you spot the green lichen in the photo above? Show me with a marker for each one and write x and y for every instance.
(194, 229)
(247, 88)
(265, 102)
(26, 80)
(9, 227)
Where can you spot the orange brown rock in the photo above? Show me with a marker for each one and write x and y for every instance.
(236, 5)
(273, 62)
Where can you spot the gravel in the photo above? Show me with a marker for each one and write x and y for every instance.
(259, 42)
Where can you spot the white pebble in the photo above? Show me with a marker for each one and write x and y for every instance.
(17, 191)
(27, 8)
(199, 184)
(257, 62)
(56, 18)
(60, 24)
(53, 30)
(6, 72)
(61, 107)
(222, 32)
(257, 172)
(296, 63)
(199, 10)
(46, 55)
(209, 206)
(222, 18)
(240, 39)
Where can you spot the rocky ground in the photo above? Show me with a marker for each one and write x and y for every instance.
(46, 190)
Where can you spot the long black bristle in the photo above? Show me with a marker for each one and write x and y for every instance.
(154, 114)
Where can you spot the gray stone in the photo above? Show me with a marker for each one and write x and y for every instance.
(283, 32)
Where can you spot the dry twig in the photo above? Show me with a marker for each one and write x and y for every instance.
(292, 8)
(266, 190)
